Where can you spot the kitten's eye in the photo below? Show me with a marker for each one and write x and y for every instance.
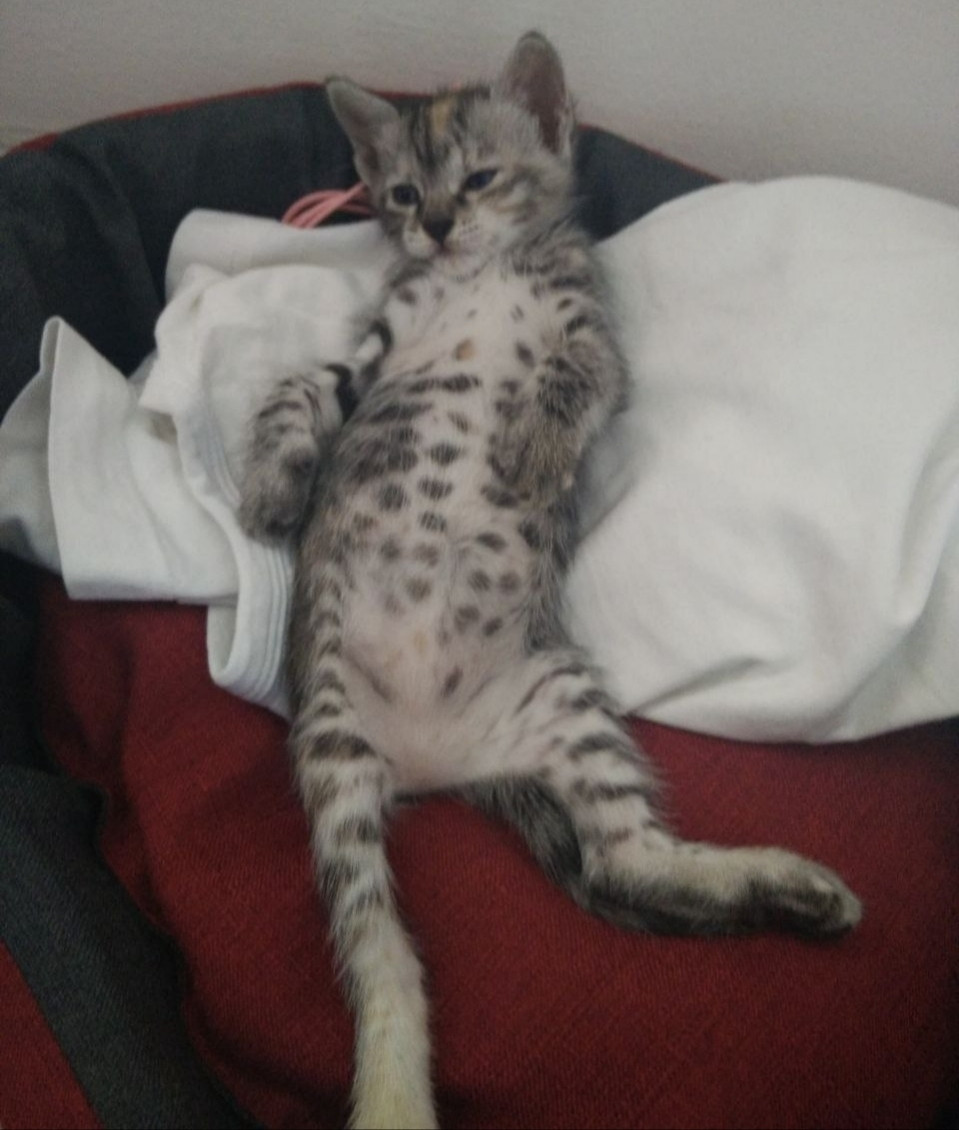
(406, 195)
(480, 179)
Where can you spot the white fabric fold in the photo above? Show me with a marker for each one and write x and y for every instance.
(772, 528)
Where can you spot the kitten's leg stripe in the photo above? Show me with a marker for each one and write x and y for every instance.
(594, 791)
(600, 743)
(328, 744)
(633, 870)
(275, 407)
(578, 322)
(551, 675)
(569, 282)
(590, 698)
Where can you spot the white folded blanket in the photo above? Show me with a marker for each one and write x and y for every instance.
(772, 546)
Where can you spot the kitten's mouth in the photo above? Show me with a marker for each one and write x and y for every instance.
(454, 260)
(448, 249)
(459, 265)
(447, 255)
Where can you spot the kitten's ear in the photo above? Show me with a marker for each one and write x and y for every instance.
(366, 119)
(533, 76)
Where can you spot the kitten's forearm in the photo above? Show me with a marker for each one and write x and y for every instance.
(292, 430)
(577, 388)
(581, 385)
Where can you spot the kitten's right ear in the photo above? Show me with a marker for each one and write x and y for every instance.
(366, 118)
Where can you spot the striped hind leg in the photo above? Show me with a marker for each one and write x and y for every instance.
(346, 791)
(584, 799)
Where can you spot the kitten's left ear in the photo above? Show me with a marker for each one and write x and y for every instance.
(367, 119)
(533, 76)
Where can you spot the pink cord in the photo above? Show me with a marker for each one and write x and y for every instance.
(311, 210)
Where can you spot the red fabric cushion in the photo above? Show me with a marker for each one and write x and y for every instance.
(542, 1015)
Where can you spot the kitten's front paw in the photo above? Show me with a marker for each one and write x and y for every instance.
(276, 491)
(287, 435)
(536, 461)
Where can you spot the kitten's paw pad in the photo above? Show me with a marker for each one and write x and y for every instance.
(274, 495)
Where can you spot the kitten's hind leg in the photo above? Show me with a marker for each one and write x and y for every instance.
(345, 788)
(585, 801)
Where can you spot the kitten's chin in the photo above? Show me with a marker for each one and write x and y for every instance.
(459, 266)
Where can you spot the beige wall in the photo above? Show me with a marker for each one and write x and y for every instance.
(746, 88)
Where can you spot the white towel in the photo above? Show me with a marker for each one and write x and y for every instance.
(128, 488)
(772, 546)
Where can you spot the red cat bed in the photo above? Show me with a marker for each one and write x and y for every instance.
(207, 996)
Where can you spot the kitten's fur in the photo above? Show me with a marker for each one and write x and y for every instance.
(433, 528)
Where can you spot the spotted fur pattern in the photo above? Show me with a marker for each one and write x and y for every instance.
(430, 481)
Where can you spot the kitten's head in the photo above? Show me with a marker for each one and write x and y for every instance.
(458, 177)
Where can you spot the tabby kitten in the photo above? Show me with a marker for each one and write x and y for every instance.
(430, 481)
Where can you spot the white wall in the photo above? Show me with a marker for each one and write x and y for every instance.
(745, 88)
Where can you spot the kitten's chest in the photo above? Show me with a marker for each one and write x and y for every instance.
(492, 326)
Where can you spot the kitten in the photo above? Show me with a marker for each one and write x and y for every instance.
(430, 482)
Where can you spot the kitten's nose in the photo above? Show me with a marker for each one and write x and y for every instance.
(437, 228)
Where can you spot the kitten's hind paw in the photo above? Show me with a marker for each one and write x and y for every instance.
(809, 899)
(392, 1106)
(701, 889)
